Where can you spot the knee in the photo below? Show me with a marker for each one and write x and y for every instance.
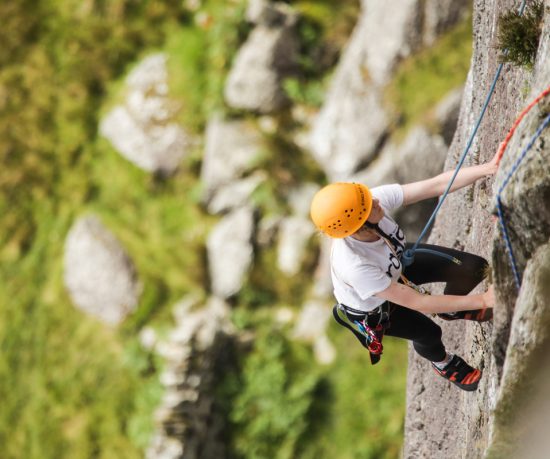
(432, 334)
(479, 269)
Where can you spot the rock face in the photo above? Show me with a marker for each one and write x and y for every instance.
(142, 129)
(99, 275)
(266, 58)
(189, 424)
(465, 222)
(522, 403)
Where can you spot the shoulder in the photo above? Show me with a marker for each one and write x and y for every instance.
(390, 196)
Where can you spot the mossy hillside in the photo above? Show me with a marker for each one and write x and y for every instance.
(281, 404)
(422, 80)
(70, 386)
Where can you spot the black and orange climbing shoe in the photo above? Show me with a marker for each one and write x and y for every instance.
(477, 315)
(460, 374)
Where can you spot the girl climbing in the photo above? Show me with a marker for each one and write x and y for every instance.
(376, 295)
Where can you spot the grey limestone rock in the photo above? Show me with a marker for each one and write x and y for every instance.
(440, 16)
(99, 275)
(230, 252)
(521, 407)
(294, 234)
(235, 194)
(143, 128)
(231, 147)
(264, 60)
(446, 114)
(390, 37)
(188, 424)
(465, 222)
(352, 122)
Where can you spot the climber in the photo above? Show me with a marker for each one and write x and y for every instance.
(375, 295)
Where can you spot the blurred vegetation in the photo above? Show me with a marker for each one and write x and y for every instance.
(323, 29)
(423, 79)
(519, 34)
(71, 387)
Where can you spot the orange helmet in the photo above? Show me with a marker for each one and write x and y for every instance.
(340, 209)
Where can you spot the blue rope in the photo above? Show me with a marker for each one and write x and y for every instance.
(503, 226)
(408, 255)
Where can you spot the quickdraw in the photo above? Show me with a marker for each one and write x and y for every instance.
(373, 336)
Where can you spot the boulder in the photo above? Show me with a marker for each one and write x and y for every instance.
(230, 252)
(412, 25)
(235, 194)
(231, 147)
(352, 126)
(99, 275)
(294, 234)
(440, 16)
(322, 281)
(188, 423)
(389, 38)
(267, 57)
(143, 129)
(299, 198)
(446, 114)
(352, 123)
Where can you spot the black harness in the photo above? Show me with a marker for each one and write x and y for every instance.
(368, 327)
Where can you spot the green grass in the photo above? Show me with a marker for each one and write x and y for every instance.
(351, 408)
(362, 405)
(70, 386)
(422, 80)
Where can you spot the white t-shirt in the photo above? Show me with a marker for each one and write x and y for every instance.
(359, 269)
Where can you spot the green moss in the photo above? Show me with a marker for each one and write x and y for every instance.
(519, 35)
(422, 80)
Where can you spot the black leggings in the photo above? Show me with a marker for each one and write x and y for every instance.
(416, 326)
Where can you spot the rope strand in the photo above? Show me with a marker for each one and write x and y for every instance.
(408, 255)
(515, 167)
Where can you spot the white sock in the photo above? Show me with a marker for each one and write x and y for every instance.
(441, 365)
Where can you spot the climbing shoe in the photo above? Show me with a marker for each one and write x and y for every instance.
(477, 315)
(460, 374)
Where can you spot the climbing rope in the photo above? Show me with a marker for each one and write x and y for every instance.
(408, 255)
(514, 168)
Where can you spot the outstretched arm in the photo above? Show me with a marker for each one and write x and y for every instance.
(410, 298)
(436, 186)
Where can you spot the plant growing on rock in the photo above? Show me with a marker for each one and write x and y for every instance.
(519, 35)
